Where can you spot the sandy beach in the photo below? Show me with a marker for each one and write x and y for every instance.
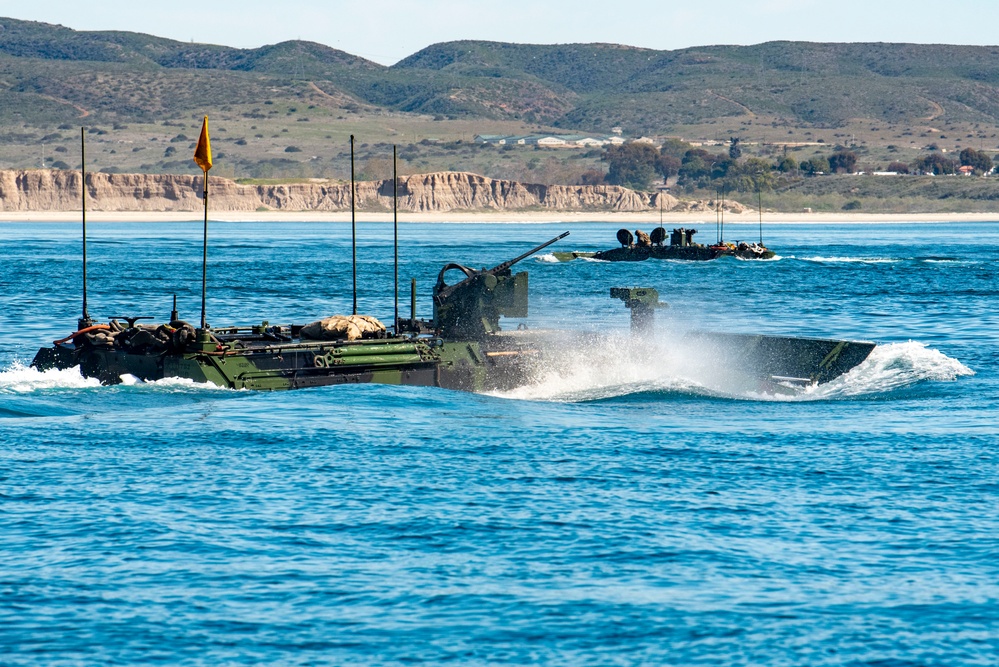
(640, 218)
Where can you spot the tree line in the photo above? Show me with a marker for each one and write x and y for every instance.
(638, 165)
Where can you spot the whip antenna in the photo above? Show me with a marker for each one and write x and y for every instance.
(353, 223)
(395, 229)
(721, 229)
(661, 213)
(759, 195)
(85, 320)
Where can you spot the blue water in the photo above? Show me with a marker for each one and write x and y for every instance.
(619, 513)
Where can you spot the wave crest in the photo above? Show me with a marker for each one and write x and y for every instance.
(891, 367)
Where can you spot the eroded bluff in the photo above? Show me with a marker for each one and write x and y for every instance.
(56, 190)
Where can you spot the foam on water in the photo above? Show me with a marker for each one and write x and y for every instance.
(614, 367)
(851, 260)
(948, 260)
(889, 368)
(172, 384)
(547, 258)
(595, 378)
(624, 369)
(21, 379)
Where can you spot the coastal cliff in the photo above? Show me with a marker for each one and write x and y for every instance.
(56, 190)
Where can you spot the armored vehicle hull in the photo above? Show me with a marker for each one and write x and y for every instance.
(268, 358)
(238, 358)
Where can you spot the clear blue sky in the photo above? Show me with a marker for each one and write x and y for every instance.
(388, 30)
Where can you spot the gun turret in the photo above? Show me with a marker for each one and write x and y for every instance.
(472, 308)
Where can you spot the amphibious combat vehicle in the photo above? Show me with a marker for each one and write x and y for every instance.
(681, 246)
(462, 347)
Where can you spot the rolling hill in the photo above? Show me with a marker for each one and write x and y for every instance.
(589, 86)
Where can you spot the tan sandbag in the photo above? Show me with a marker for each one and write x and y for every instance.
(337, 327)
(343, 327)
(367, 324)
(317, 330)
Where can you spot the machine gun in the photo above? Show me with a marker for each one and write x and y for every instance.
(472, 308)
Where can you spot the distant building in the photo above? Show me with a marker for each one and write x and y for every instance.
(549, 140)
(488, 138)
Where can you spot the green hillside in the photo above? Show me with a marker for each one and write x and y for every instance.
(801, 84)
(585, 86)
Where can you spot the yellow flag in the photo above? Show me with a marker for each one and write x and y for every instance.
(203, 153)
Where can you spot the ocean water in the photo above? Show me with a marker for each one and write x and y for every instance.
(621, 513)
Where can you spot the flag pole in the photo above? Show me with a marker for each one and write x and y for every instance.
(353, 224)
(85, 320)
(203, 158)
(204, 260)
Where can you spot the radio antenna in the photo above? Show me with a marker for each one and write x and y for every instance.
(353, 223)
(85, 320)
(395, 228)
